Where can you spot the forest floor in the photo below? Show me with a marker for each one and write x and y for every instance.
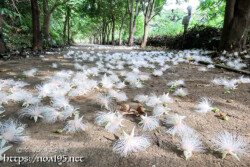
(95, 144)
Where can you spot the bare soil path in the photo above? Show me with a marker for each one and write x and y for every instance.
(95, 144)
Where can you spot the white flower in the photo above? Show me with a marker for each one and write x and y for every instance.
(210, 66)
(153, 100)
(190, 143)
(141, 98)
(217, 81)
(132, 77)
(33, 112)
(107, 82)
(112, 93)
(52, 115)
(18, 85)
(11, 131)
(243, 79)
(60, 102)
(121, 96)
(181, 92)
(54, 65)
(2, 150)
(202, 69)
(204, 105)
(44, 90)
(69, 111)
(17, 95)
(144, 77)
(3, 98)
(160, 110)
(176, 83)
(176, 125)
(129, 144)
(230, 84)
(149, 122)
(228, 143)
(29, 99)
(157, 73)
(120, 85)
(136, 84)
(30, 73)
(114, 78)
(75, 125)
(104, 100)
(166, 99)
(64, 74)
(103, 117)
(112, 121)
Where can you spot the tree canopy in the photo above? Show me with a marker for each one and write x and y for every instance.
(100, 21)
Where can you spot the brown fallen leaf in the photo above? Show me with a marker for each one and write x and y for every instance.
(132, 112)
(124, 107)
(140, 110)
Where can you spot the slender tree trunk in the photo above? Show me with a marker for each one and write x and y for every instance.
(145, 35)
(130, 30)
(103, 31)
(65, 26)
(46, 25)
(3, 47)
(94, 39)
(133, 16)
(113, 30)
(133, 32)
(69, 37)
(236, 25)
(99, 37)
(120, 30)
(120, 37)
(37, 35)
(108, 33)
(148, 11)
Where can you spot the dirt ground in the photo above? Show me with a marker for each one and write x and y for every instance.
(95, 144)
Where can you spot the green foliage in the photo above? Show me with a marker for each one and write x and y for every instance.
(212, 12)
(86, 19)
(169, 22)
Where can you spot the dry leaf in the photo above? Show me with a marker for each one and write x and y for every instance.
(124, 107)
(140, 110)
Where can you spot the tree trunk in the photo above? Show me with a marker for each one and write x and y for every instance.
(69, 37)
(46, 25)
(113, 30)
(100, 38)
(108, 34)
(93, 39)
(145, 35)
(37, 35)
(236, 25)
(130, 29)
(132, 33)
(133, 16)
(65, 26)
(3, 47)
(103, 31)
(120, 37)
(120, 30)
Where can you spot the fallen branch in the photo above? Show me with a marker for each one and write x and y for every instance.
(227, 68)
